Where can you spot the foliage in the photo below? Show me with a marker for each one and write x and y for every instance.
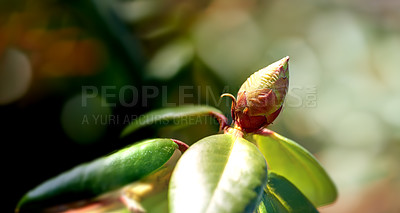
(247, 168)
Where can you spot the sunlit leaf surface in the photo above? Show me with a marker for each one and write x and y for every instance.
(219, 173)
(288, 159)
(102, 175)
(181, 115)
(281, 196)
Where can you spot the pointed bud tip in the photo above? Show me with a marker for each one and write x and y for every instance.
(283, 66)
(278, 66)
(284, 62)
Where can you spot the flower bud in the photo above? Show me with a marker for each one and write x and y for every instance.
(261, 97)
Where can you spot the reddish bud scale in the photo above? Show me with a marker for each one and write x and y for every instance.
(260, 98)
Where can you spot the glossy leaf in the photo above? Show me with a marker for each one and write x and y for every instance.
(281, 196)
(220, 173)
(287, 158)
(147, 194)
(101, 175)
(181, 115)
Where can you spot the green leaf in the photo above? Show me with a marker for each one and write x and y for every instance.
(281, 196)
(219, 173)
(182, 115)
(102, 175)
(287, 158)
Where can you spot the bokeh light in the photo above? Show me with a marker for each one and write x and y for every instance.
(85, 118)
(15, 75)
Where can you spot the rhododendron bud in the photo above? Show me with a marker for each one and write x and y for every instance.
(261, 97)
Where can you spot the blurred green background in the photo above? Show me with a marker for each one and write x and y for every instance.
(74, 73)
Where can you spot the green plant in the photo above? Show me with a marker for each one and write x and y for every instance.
(248, 168)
